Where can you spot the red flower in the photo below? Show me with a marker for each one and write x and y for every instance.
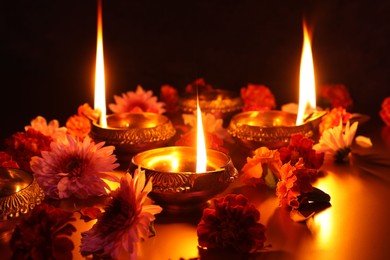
(294, 184)
(24, 145)
(232, 224)
(6, 161)
(89, 213)
(257, 98)
(200, 85)
(337, 95)
(385, 111)
(385, 134)
(170, 96)
(43, 234)
(301, 147)
(333, 118)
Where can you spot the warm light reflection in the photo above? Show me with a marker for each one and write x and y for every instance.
(307, 93)
(17, 188)
(164, 163)
(100, 95)
(323, 224)
(180, 235)
(201, 157)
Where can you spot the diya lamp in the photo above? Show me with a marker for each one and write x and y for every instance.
(274, 128)
(128, 132)
(19, 193)
(219, 102)
(184, 178)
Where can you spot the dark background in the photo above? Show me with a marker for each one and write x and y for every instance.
(47, 50)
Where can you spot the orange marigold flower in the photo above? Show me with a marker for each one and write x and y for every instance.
(170, 96)
(78, 126)
(263, 159)
(337, 95)
(333, 118)
(87, 111)
(257, 98)
(385, 111)
(295, 182)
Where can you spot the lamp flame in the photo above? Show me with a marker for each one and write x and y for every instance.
(100, 95)
(201, 157)
(307, 93)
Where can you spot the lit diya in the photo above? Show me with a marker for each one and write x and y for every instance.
(221, 103)
(128, 132)
(134, 132)
(274, 128)
(184, 178)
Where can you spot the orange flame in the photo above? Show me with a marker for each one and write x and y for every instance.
(100, 95)
(307, 92)
(201, 157)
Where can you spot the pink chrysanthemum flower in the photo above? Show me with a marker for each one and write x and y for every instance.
(51, 129)
(138, 101)
(74, 168)
(125, 221)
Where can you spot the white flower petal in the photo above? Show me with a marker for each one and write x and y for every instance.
(363, 141)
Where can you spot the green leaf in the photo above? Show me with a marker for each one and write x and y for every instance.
(270, 179)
